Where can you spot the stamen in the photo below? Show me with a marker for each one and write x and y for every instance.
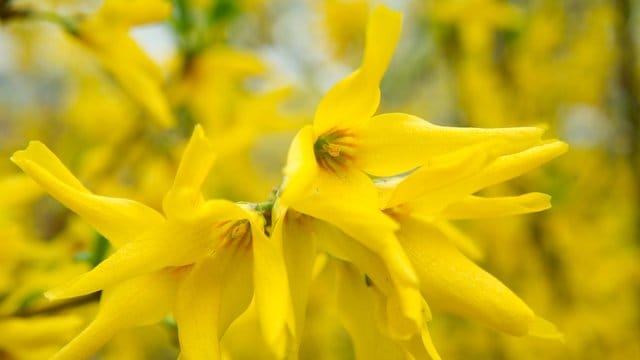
(334, 150)
(237, 233)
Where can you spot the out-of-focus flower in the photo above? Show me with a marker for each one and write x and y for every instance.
(106, 33)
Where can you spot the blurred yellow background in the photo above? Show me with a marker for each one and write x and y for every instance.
(115, 94)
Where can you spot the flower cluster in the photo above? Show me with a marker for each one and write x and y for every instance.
(368, 197)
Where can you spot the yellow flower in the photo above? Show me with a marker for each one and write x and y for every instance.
(106, 34)
(425, 200)
(218, 249)
(330, 163)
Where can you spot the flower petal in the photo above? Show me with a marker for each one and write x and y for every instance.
(421, 346)
(211, 296)
(197, 159)
(129, 64)
(439, 172)
(501, 169)
(272, 296)
(293, 230)
(459, 239)
(140, 301)
(356, 307)
(452, 282)
(301, 168)
(405, 308)
(355, 98)
(475, 207)
(170, 244)
(391, 144)
(119, 220)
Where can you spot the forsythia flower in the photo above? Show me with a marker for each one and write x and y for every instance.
(423, 202)
(210, 255)
(106, 33)
(376, 193)
(328, 178)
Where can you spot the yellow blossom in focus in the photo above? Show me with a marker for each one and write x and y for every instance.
(177, 256)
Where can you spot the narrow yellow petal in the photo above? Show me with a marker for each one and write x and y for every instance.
(301, 168)
(355, 98)
(357, 307)
(475, 207)
(87, 343)
(140, 301)
(452, 282)
(197, 159)
(272, 294)
(391, 144)
(501, 169)
(439, 172)
(544, 329)
(293, 231)
(119, 220)
(405, 310)
(421, 346)
(171, 244)
(507, 167)
(236, 288)
(383, 33)
(131, 67)
(213, 294)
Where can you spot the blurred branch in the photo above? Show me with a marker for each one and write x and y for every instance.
(60, 306)
(9, 13)
(630, 93)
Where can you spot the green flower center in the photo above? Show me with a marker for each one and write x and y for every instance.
(334, 150)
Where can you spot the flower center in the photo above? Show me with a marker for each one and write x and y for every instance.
(237, 233)
(334, 150)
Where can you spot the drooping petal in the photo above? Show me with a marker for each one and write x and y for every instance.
(119, 220)
(355, 98)
(197, 159)
(405, 310)
(475, 207)
(293, 230)
(301, 168)
(356, 308)
(421, 346)
(140, 301)
(215, 292)
(272, 296)
(391, 144)
(452, 282)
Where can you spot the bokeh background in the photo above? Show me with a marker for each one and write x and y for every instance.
(115, 96)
